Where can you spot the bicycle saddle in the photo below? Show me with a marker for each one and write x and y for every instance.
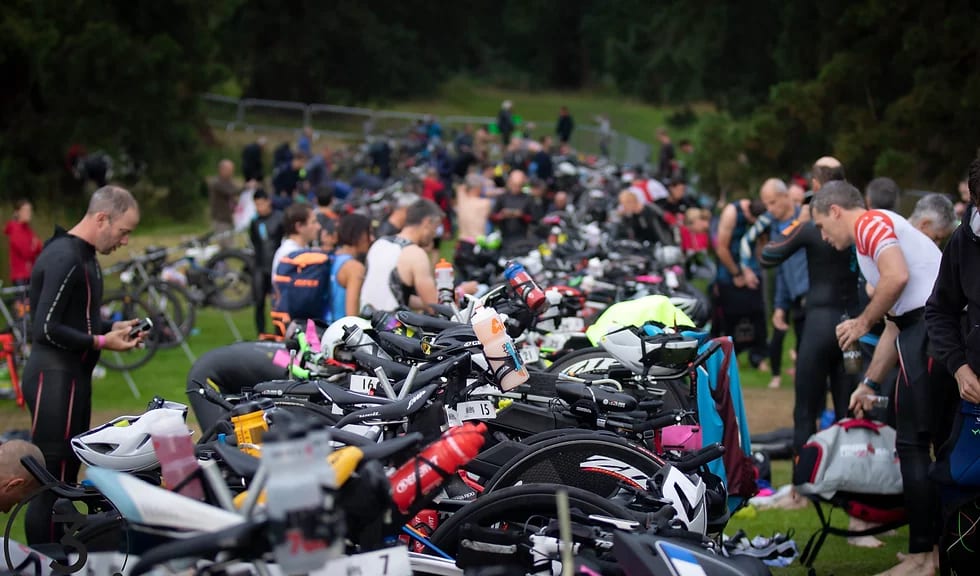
(316, 389)
(423, 322)
(402, 346)
(393, 411)
(605, 400)
(394, 370)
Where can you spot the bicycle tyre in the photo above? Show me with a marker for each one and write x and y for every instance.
(597, 464)
(123, 306)
(184, 313)
(517, 505)
(219, 297)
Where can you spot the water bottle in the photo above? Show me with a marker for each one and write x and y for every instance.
(445, 282)
(525, 286)
(294, 503)
(499, 348)
(416, 477)
(853, 359)
(355, 337)
(383, 321)
(175, 450)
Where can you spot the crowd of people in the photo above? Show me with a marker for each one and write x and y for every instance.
(849, 271)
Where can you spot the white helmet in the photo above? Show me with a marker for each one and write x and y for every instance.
(123, 444)
(333, 336)
(686, 493)
(665, 354)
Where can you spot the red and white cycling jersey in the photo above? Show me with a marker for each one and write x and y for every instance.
(879, 230)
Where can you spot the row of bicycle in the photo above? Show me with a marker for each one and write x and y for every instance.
(353, 446)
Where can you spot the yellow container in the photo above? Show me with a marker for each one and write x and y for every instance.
(249, 429)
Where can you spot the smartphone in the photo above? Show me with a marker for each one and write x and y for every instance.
(144, 326)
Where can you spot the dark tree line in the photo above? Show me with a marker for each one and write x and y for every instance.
(890, 87)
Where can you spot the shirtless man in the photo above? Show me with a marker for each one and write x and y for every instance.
(472, 210)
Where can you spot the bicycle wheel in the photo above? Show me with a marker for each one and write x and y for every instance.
(588, 362)
(230, 273)
(529, 505)
(124, 307)
(597, 464)
(173, 310)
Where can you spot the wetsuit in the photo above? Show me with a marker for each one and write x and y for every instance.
(792, 281)
(833, 291)
(266, 233)
(66, 297)
(227, 370)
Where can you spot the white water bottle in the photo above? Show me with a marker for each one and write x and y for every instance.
(499, 349)
(295, 497)
(174, 448)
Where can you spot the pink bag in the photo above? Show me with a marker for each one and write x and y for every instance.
(683, 437)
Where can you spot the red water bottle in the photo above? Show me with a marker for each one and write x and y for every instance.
(425, 523)
(526, 287)
(456, 447)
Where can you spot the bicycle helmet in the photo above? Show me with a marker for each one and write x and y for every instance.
(686, 492)
(691, 305)
(123, 444)
(333, 336)
(659, 354)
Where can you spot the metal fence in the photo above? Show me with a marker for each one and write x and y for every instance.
(351, 123)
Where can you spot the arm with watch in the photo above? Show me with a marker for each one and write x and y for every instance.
(884, 359)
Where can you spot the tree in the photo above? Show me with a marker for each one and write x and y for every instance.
(120, 76)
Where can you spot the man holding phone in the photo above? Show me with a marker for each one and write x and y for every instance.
(67, 328)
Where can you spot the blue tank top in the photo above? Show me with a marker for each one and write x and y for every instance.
(338, 294)
(742, 226)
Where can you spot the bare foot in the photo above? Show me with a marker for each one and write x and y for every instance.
(902, 556)
(792, 354)
(857, 525)
(865, 542)
(792, 501)
(775, 382)
(913, 565)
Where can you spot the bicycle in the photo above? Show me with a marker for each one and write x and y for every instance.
(15, 344)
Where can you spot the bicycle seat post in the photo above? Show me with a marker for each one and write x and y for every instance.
(385, 383)
(409, 380)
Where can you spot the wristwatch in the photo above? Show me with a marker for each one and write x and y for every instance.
(871, 384)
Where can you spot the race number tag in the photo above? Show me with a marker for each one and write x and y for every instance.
(452, 418)
(385, 562)
(530, 354)
(363, 384)
(476, 410)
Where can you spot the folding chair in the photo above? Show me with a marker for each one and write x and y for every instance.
(888, 511)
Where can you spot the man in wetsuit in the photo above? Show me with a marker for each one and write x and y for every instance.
(902, 264)
(68, 331)
(792, 280)
(832, 292)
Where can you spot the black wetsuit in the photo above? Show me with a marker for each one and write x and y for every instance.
(833, 291)
(227, 370)
(266, 233)
(66, 297)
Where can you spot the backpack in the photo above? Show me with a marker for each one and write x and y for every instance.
(301, 284)
(850, 456)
